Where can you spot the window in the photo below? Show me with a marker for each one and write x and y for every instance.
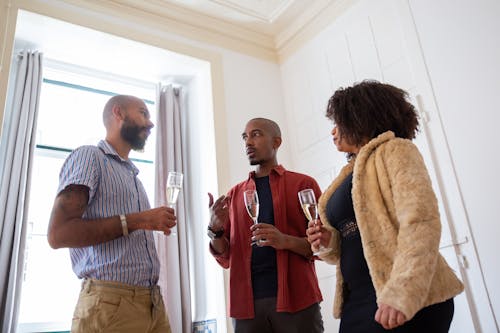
(70, 115)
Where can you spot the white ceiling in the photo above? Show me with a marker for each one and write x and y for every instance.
(268, 23)
(269, 17)
(265, 11)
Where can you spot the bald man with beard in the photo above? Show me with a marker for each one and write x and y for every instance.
(273, 284)
(102, 214)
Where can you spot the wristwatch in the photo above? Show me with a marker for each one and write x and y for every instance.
(215, 234)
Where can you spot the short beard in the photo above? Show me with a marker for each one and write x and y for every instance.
(131, 134)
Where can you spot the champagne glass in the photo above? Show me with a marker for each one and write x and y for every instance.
(174, 185)
(252, 204)
(310, 207)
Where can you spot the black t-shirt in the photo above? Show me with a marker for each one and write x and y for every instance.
(264, 268)
(340, 213)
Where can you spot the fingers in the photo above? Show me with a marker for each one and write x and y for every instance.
(381, 315)
(262, 226)
(168, 212)
(221, 203)
(210, 199)
(313, 233)
(378, 315)
(315, 246)
(262, 229)
(264, 234)
(261, 241)
(160, 218)
(389, 317)
(170, 220)
(401, 318)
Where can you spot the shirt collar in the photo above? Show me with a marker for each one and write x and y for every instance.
(278, 169)
(108, 149)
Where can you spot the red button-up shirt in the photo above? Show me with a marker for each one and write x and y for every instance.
(297, 282)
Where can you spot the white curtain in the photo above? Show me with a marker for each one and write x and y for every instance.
(18, 143)
(173, 250)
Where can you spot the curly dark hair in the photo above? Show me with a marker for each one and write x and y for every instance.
(370, 108)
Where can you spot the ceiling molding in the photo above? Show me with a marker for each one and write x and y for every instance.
(307, 18)
(311, 23)
(261, 13)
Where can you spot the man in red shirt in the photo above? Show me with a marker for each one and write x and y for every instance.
(273, 285)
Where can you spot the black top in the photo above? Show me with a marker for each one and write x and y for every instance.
(360, 300)
(340, 213)
(264, 267)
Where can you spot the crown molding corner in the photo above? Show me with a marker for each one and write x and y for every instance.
(309, 25)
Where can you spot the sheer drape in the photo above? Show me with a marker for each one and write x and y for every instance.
(18, 143)
(173, 249)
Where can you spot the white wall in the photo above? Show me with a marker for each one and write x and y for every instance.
(252, 89)
(378, 40)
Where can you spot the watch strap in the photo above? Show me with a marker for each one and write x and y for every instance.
(123, 221)
(215, 234)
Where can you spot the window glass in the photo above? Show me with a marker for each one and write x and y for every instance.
(70, 115)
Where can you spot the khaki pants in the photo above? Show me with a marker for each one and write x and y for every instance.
(105, 306)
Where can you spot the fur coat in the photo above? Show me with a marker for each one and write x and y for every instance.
(398, 220)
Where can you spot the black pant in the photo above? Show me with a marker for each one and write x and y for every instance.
(359, 317)
(267, 320)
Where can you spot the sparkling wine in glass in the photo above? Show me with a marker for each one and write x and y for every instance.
(174, 186)
(308, 203)
(252, 204)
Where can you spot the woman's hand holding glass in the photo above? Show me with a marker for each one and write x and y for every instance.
(315, 236)
(318, 237)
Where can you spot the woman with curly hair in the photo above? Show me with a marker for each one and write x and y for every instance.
(380, 219)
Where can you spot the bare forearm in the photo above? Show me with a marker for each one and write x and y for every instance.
(79, 232)
(299, 245)
(219, 245)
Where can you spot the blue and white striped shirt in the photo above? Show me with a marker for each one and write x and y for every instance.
(113, 189)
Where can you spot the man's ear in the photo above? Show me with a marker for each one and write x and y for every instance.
(276, 142)
(117, 112)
